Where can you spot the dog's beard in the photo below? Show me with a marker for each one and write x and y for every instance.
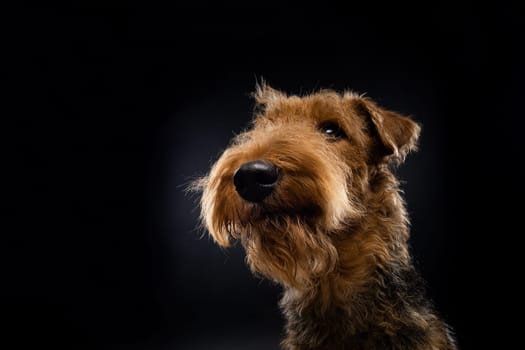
(288, 251)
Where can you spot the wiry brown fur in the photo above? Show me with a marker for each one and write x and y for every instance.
(334, 232)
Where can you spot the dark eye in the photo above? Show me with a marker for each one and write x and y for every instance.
(332, 130)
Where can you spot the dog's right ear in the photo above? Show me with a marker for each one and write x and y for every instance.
(396, 134)
(265, 96)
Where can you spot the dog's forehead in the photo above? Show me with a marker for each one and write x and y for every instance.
(311, 108)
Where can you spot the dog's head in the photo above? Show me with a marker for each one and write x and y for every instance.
(294, 186)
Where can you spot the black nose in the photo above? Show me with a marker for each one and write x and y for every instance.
(255, 180)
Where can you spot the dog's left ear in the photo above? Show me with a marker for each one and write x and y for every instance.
(397, 134)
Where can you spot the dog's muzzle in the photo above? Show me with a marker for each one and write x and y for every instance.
(255, 180)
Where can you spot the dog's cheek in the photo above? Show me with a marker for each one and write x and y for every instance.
(213, 217)
(219, 203)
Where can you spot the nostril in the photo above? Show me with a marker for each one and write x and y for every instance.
(255, 180)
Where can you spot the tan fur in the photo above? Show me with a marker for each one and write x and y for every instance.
(334, 232)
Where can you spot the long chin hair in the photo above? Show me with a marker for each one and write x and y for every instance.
(289, 251)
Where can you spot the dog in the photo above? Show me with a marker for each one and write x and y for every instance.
(309, 191)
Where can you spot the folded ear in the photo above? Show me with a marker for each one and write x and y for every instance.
(396, 134)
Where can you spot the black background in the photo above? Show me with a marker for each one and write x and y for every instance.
(111, 108)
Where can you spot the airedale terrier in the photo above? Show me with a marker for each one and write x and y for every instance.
(309, 193)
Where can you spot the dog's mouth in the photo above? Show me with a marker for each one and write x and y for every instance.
(266, 212)
(270, 221)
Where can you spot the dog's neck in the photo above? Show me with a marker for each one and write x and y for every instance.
(389, 306)
(340, 303)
